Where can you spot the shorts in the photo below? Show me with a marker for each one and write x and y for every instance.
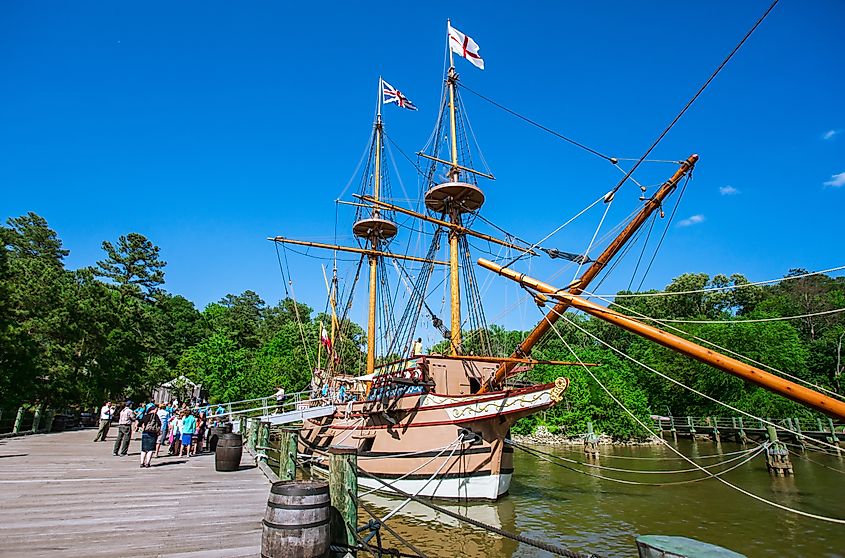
(186, 439)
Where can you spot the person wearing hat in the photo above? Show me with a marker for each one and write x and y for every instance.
(124, 430)
(150, 426)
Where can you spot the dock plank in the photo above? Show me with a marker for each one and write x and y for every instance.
(64, 495)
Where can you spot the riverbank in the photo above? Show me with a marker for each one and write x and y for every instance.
(543, 436)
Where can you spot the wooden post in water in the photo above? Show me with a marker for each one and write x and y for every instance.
(674, 430)
(691, 427)
(36, 420)
(743, 439)
(777, 456)
(18, 421)
(833, 439)
(591, 443)
(287, 453)
(343, 486)
(253, 433)
(716, 436)
(799, 437)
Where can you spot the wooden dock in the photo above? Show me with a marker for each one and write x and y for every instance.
(64, 495)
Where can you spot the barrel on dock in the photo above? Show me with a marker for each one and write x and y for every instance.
(229, 451)
(215, 433)
(296, 523)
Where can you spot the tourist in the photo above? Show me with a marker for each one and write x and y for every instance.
(219, 415)
(418, 348)
(175, 433)
(164, 416)
(124, 430)
(280, 399)
(199, 435)
(150, 426)
(341, 394)
(106, 412)
(189, 428)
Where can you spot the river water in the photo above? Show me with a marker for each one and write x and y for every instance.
(553, 504)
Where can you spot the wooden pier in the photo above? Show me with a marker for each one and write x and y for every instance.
(64, 495)
(739, 429)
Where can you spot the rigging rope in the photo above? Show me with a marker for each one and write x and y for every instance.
(647, 429)
(666, 323)
(694, 97)
(725, 288)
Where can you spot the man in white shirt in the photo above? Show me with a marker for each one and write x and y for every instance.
(280, 399)
(105, 420)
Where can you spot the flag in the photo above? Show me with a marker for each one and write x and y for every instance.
(462, 45)
(392, 95)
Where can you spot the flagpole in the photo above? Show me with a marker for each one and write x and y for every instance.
(448, 47)
(380, 96)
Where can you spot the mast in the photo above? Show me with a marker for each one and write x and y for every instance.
(374, 230)
(524, 349)
(806, 396)
(454, 198)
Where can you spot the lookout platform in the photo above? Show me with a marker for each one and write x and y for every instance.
(64, 495)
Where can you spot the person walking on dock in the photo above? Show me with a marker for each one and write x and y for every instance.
(164, 416)
(105, 421)
(150, 426)
(189, 428)
(280, 399)
(124, 429)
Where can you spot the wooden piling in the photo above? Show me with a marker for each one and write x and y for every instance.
(263, 440)
(36, 420)
(777, 456)
(343, 485)
(743, 439)
(18, 421)
(591, 443)
(715, 432)
(48, 420)
(287, 453)
(253, 433)
(833, 439)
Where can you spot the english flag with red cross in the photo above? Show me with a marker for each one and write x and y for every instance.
(464, 46)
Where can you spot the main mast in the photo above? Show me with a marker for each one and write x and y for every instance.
(374, 230)
(454, 198)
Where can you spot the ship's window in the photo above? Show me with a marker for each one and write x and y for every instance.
(474, 385)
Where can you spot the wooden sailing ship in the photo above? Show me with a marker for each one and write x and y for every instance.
(435, 425)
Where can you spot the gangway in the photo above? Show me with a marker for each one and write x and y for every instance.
(296, 408)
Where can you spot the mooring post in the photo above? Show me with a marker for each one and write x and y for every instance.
(263, 440)
(343, 487)
(716, 436)
(36, 420)
(691, 427)
(253, 433)
(48, 420)
(777, 456)
(287, 453)
(833, 439)
(674, 430)
(591, 443)
(743, 439)
(18, 421)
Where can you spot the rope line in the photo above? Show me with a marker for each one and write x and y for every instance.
(554, 549)
(718, 478)
(725, 288)
(697, 94)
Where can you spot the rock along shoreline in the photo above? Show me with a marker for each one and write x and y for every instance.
(542, 436)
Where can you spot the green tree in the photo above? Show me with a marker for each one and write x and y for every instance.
(133, 264)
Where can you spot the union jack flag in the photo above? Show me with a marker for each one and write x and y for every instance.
(392, 95)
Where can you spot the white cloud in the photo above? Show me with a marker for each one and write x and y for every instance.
(728, 191)
(830, 134)
(836, 180)
(694, 220)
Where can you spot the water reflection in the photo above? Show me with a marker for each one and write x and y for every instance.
(592, 515)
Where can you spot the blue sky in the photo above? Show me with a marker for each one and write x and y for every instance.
(208, 126)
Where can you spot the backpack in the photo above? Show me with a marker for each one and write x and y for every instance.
(153, 424)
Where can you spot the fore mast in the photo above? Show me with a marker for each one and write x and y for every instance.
(374, 231)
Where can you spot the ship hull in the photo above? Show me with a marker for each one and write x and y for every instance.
(431, 445)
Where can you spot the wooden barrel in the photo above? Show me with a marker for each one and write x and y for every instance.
(229, 451)
(215, 433)
(296, 523)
